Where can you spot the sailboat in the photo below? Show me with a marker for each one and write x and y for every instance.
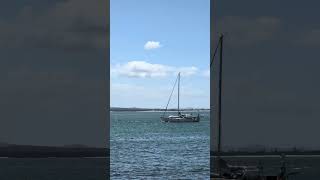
(179, 117)
(223, 170)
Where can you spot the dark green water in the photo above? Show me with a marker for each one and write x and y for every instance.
(143, 147)
(53, 168)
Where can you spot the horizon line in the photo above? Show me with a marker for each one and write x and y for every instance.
(159, 108)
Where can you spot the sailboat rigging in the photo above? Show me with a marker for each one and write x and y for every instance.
(179, 117)
(223, 170)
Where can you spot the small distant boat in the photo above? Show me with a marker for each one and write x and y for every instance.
(179, 117)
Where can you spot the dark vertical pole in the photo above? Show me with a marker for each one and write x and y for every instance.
(179, 94)
(220, 90)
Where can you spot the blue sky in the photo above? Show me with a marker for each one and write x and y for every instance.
(150, 41)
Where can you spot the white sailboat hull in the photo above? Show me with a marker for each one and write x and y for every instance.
(178, 119)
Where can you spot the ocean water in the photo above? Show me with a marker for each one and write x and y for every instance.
(306, 167)
(53, 168)
(143, 147)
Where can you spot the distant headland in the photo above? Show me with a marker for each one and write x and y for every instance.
(68, 151)
(155, 109)
(259, 150)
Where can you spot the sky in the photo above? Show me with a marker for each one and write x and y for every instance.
(53, 72)
(271, 72)
(150, 42)
(53, 67)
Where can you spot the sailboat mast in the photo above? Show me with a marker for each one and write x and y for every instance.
(179, 93)
(220, 90)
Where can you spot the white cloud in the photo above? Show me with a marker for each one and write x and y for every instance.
(206, 73)
(187, 71)
(143, 69)
(152, 45)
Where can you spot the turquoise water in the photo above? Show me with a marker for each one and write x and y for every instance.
(143, 147)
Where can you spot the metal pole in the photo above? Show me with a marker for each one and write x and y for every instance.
(219, 101)
(179, 94)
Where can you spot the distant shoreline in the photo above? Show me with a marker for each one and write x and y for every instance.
(268, 156)
(311, 153)
(29, 151)
(155, 109)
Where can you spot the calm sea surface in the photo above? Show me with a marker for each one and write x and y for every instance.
(143, 147)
